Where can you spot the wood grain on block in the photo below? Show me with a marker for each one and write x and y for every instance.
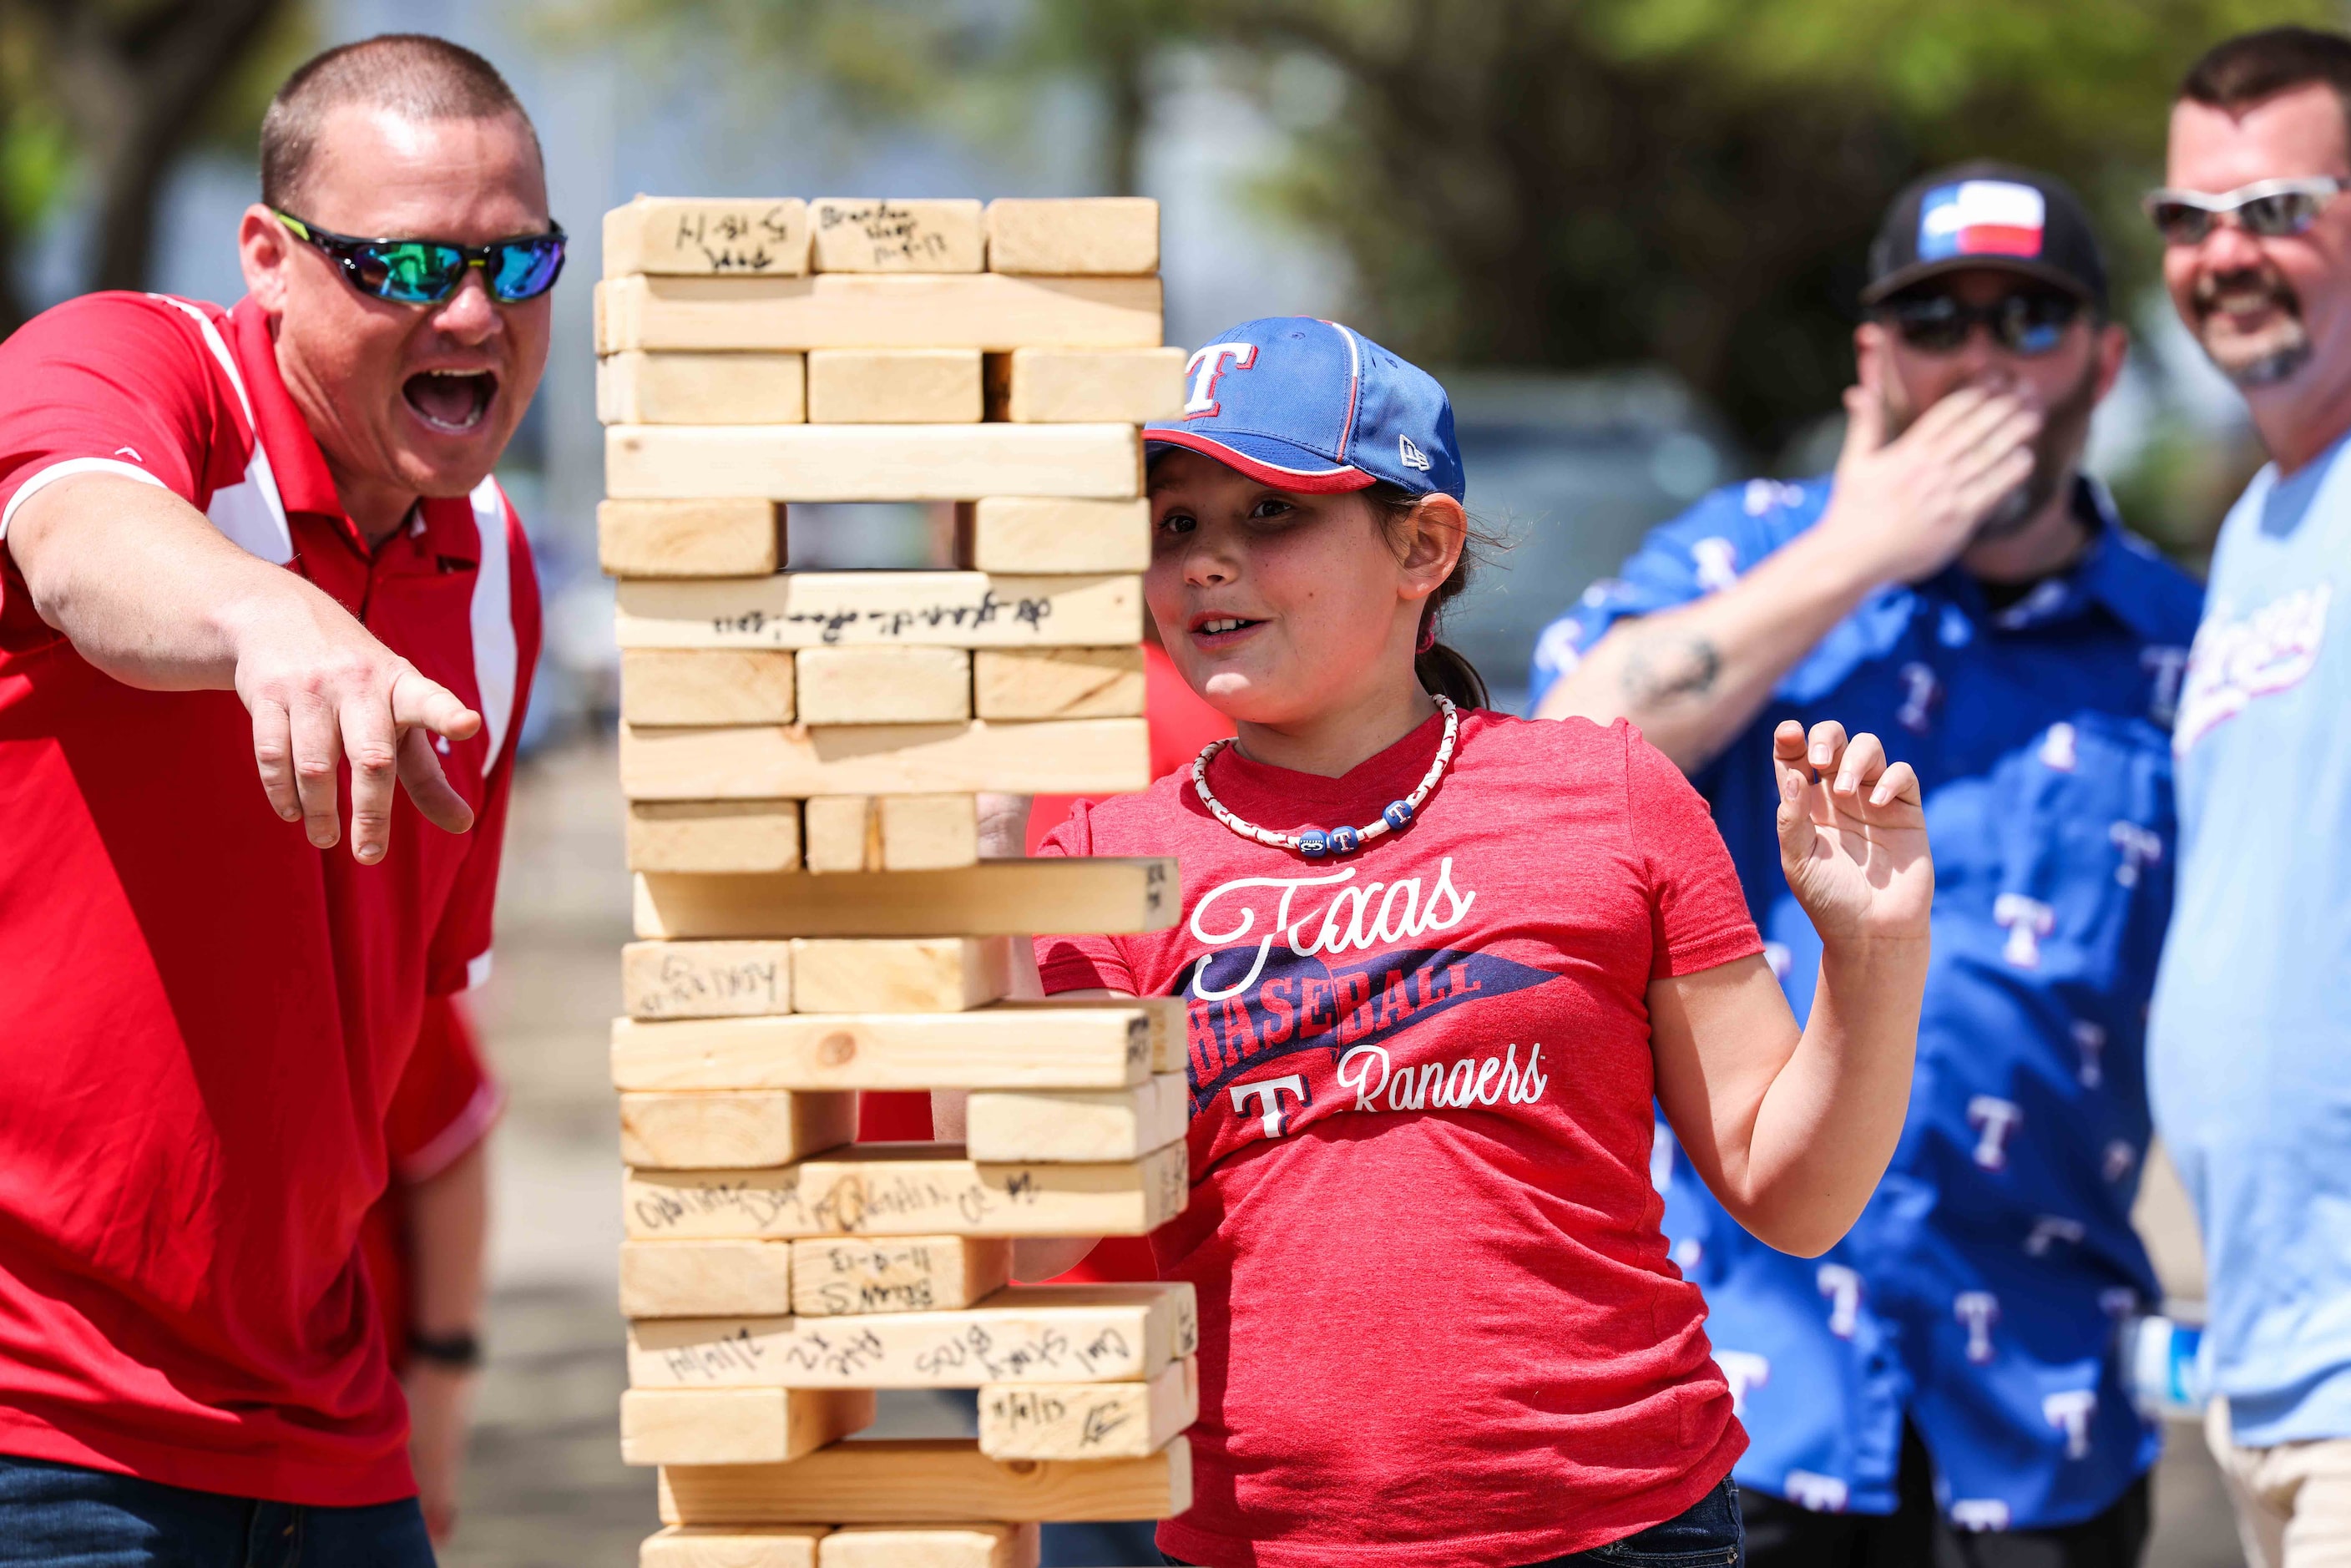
(1024, 1333)
(697, 1546)
(990, 899)
(907, 1189)
(766, 762)
(929, 832)
(715, 835)
(1052, 534)
(707, 686)
(836, 1276)
(755, 237)
(733, 1129)
(705, 1278)
(1073, 236)
(1089, 1420)
(931, 1546)
(1056, 683)
(885, 685)
(706, 538)
(882, 609)
(639, 387)
(736, 1425)
(861, 233)
(1078, 386)
(926, 1479)
(872, 462)
(984, 310)
(894, 386)
(705, 980)
(900, 975)
(844, 833)
(1078, 1126)
(1010, 1045)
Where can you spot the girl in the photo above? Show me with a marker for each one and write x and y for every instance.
(1437, 962)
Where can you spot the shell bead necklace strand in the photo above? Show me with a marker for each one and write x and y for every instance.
(1316, 842)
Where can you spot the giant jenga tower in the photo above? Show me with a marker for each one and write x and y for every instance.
(800, 752)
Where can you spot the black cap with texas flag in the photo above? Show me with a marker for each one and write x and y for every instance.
(1987, 214)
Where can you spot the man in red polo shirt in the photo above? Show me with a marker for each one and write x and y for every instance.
(257, 593)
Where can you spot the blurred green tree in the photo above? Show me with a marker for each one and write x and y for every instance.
(98, 98)
(1573, 183)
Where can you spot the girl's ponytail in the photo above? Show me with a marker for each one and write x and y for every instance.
(1442, 670)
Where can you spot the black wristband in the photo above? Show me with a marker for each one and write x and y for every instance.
(458, 1352)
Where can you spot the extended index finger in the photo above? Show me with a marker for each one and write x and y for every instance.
(416, 700)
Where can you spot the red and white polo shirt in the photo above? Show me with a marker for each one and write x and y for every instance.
(207, 1018)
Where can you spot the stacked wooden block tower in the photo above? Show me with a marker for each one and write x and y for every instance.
(801, 753)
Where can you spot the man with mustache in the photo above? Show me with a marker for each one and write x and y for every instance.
(2249, 1053)
(259, 594)
(1942, 1386)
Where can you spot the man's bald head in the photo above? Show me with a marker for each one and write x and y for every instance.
(412, 75)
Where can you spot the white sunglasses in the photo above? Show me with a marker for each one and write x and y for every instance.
(2270, 209)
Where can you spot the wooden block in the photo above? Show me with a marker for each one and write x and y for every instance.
(910, 974)
(732, 537)
(991, 899)
(860, 235)
(1023, 1333)
(1089, 1421)
(894, 386)
(907, 1189)
(1011, 1045)
(755, 237)
(1049, 534)
(984, 310)
(705, 980)
(884, 608)
(733, 1129)
(931, 1546)
(774, 762)
(1073, 236)
(706, 686)
(885, 685)
(1056, 683)
(698, 1546)
(715, 835)
(872, 462)
(918, 1479)
(705, 1278)
(833, 1276)
(1078, 1126)
(1077, 386)
(929, 832)
(736, 1425)
(637, 388)
(844, 833)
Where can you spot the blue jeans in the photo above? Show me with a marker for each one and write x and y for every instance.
(64, 1516)
(1707, 1534)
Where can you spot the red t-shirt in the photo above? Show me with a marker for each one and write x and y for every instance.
(206, 1016)
(1432, 1331)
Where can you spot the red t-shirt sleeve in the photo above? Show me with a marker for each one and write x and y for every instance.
(1080, 963)
(1698, 912)
(446, 1101)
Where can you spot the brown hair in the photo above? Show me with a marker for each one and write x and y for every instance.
(411, 74)
(1443, 671)
(2239, 72)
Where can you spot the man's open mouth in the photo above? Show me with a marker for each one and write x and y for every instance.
(454, 402)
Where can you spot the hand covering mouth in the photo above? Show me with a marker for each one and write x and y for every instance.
(456, 401)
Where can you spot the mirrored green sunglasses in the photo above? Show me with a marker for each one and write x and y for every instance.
(427, 271)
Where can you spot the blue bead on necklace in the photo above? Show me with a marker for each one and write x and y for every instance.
(1318, 843)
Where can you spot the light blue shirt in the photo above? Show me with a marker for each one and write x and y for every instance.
(2250, 1047)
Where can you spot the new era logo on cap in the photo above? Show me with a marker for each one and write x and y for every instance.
(1980, 217)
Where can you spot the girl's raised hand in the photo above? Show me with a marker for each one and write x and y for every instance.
(1852, 834)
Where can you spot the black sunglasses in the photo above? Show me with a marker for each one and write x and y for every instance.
(427, 271)
(2028, 324)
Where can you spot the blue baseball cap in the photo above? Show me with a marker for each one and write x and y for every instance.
(1311, 406)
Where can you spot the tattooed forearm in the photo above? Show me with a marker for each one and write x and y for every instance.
(1658, 669)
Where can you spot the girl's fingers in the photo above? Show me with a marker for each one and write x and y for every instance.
(1798, 832)
(1897, 783)
(1826, 741)
(1864, 760)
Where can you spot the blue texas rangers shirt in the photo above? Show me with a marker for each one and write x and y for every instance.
(1979, 1293)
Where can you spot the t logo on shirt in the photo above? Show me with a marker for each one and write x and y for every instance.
(1267, 1094)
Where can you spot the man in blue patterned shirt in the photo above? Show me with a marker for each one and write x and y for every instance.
(1943, 1385)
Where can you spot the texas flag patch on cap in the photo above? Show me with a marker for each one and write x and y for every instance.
(1980, 217)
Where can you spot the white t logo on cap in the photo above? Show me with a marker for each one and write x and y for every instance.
(1408, 455)
(1208, 365)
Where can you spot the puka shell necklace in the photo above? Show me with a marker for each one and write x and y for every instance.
(1316, 842)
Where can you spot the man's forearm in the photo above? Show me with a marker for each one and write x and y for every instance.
(1694, 677)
